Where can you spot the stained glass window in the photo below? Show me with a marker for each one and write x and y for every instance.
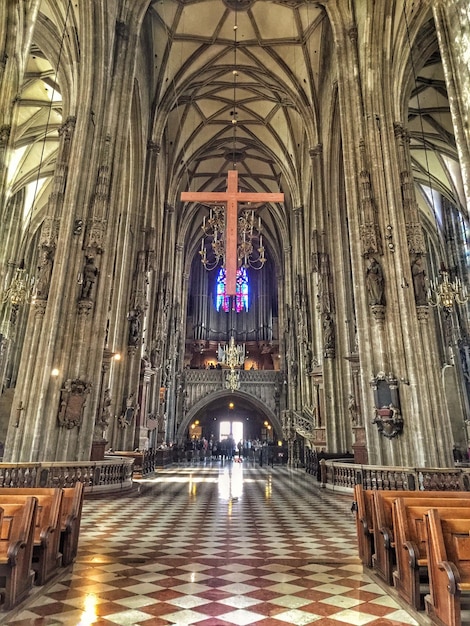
(240, 302)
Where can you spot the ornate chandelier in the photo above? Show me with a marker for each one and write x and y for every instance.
(231, 355)
(232, 380)
(442, 292)
(19, 291)
(250, 249)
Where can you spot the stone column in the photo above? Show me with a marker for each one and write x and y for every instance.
(381, 228)
(17, 21)
(452, 18)
(61, 410)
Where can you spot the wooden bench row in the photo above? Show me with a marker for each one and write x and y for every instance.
(39, 532)
(419, 541)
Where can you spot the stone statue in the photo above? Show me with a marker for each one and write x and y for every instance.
(134, 327)
(155, 354)
(131, 409)
(44, 275)
(308, 359)
(90, 272)
(294, 370)
(328, 333)
(353, 411)
(106, 410)
(419, 282)
(375, 282)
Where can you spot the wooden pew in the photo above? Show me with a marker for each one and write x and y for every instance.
(70, 522)
(411, 575)
(46, 556)
(16, 551)
(448, 552)
(363, 507)
(384, 558)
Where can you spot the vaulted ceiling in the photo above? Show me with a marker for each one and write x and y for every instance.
(234, 87)
(242, 85)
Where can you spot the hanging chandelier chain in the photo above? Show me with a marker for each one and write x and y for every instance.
(235, 76)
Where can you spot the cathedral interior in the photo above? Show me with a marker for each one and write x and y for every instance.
(223, 222)
(329, 306)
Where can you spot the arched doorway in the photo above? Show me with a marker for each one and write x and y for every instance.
(206, 417)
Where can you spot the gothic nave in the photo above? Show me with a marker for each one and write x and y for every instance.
(233, 213)
(256, 202)
(216, 545)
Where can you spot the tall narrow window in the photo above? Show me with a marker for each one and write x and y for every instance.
(240, 302)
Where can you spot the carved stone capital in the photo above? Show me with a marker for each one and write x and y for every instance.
(67, 128)
(153, 147)
(40, 308)
(414, 235)
(316, 151)
(378, 311)
(352, 34)
(84, 307)
(370, 238)
(122, 30)
(96, 235)
(49, 232)
(398, 129)
(4, 135)
(422, 313)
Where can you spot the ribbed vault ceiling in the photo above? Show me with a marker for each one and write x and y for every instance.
(275, 48)
(278, 50)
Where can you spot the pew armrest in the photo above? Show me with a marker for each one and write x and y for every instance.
(453, 576)
(413, 554)
(46, 532)
(13, 551)
(388, 537)
(365, 525)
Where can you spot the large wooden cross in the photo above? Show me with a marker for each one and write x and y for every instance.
(231, 198)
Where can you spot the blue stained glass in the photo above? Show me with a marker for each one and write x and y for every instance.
(220, 293)
(222, 300)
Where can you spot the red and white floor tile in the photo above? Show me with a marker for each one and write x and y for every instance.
(215, 545)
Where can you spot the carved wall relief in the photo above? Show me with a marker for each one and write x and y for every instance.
(72, 403)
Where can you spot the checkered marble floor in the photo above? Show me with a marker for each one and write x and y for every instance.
(215, 545)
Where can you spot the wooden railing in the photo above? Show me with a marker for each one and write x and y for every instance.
(145, 461)
(342, 476)
(113, 474)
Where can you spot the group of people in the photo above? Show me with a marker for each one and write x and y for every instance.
(224, 449)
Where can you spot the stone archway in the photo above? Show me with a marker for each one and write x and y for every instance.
(218, 398)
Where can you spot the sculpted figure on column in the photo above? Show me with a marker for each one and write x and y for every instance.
(44, 274)
(419, 282)
(90, 272)
(134, 327)
(328, 332)
(375, 282)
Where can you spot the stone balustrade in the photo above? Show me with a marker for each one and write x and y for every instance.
(342, 476)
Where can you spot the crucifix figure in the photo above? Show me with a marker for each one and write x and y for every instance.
(231, 198)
